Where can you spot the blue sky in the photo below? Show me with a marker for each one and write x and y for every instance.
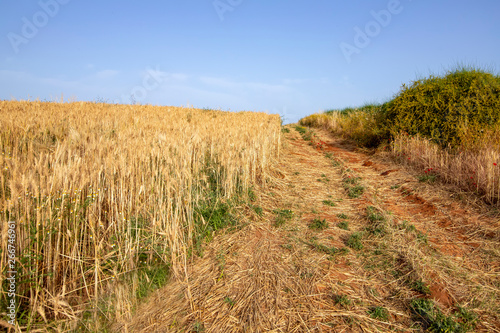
(292, 57)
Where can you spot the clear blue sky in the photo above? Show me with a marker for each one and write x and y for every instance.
(292, 57)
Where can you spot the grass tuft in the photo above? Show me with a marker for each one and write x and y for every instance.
(354, 241)
(318, 224)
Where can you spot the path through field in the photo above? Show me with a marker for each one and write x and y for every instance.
(347, 242)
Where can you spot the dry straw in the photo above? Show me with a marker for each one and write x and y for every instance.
(476, 169)
(98, 190)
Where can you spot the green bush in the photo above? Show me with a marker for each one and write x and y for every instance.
(364, 125)
(453, 109)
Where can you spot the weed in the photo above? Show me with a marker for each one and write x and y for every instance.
(393, 187)
(351, 180)
(336, 163)
(229, 301)
(355, 192)
(434, 320)
(211, 216)
(251, 194)
(342, 300)
(342, 216)
(323, 248)
(377, 225)
(378, 312)
(300, 129)
(318, 224)
(329, 203)
(343, 225)
(408, 227)
(354, 241)
(258, 210)
(282, 216)
(151, 279)
(421, 237)
(323, 178)
(306, 134)
(420, 286)
(198, 327)
(374, 215)
(467, 317)
(427, 178)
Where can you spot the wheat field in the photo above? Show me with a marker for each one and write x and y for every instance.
(99, 190)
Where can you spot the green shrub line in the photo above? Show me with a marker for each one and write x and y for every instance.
(453, 110)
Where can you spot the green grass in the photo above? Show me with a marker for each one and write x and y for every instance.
(343, 225)
(378, 312)
(325, 249)
(351, 180)
(432, 319)
(336, 163)
(151, 279)
(420, 286)
(198, 327)
(408, 227)
(355, 191)
(342, 300)
(300, 129)
(427, 178)
(342, 216)
(306, 133)
(329, 203)
(377, 221)
(229, 301)
(354, 241)
(282, 216)
(216, 216)
(318, 224)
(258, 210)
(374, 215)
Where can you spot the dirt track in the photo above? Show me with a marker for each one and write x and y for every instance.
(291, 278)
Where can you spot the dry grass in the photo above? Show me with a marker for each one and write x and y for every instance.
(322, 120)
(476, 170)
(100, 191)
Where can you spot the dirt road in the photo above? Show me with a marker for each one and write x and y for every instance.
(346, 242)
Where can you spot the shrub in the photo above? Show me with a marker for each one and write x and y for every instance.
(454, 109)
